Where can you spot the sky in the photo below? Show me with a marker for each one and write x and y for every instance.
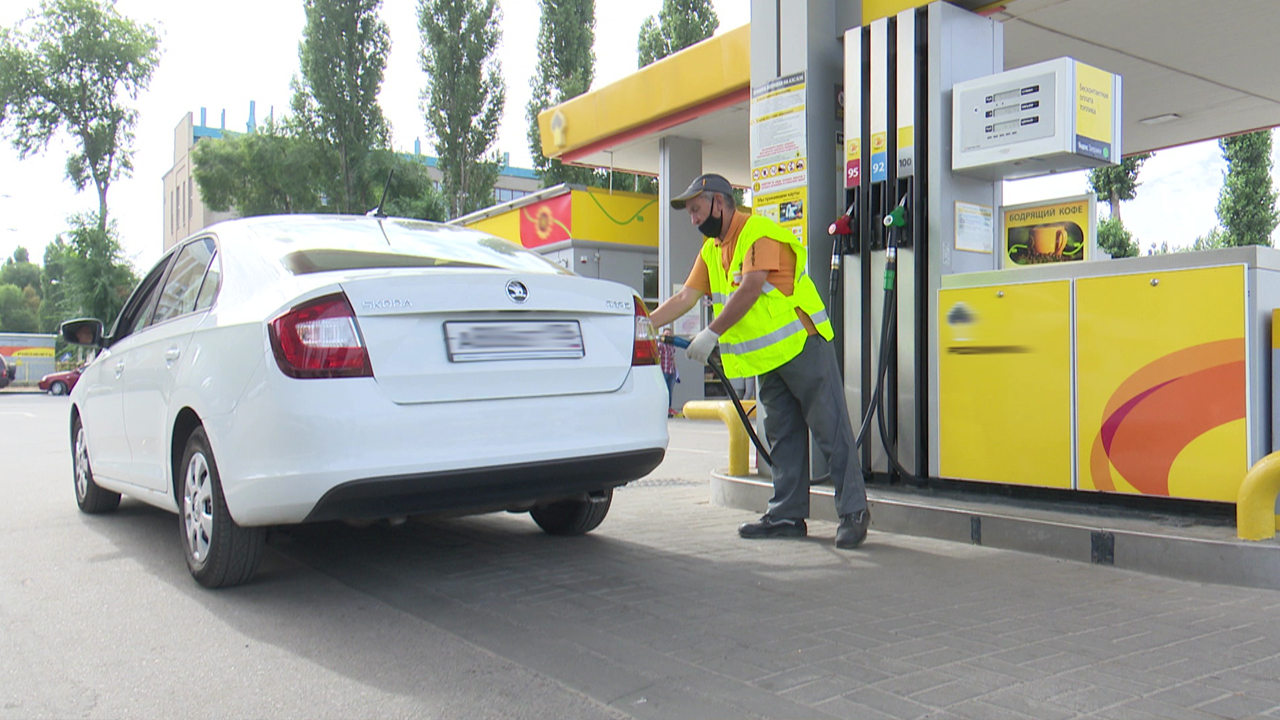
(222, 56)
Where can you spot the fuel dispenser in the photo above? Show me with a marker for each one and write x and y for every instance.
(900, 194)
(1142, 376)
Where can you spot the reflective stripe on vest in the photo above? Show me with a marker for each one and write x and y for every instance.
(771, 333)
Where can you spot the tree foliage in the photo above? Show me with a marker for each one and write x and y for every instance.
(464, 96)
(99, 277)
(1115, 238)
(72, 66)
(19, 271)
(1118, 182)
(265, 172)
(566, 68)
(19, 310)
(342, 57)
(1215, 239)
(680, 23)
(1247, 203)
(55, 289)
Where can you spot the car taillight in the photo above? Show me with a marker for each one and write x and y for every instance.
(644, 351)
(320, 339)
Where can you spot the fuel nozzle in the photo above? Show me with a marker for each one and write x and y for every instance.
(897, 217)
(844, 224)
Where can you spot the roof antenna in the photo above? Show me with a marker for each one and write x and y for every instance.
(378, 212)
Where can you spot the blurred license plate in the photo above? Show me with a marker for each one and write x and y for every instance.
(508, 340)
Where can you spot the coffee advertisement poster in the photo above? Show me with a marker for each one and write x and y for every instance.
(1055, 231)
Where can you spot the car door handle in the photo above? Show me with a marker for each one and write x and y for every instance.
(119, 369)
(171, 355)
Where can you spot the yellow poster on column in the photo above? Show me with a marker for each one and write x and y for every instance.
(787, 208)
(1094, 91)
(1052, 232)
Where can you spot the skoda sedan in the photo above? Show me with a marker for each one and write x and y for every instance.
(296, 369)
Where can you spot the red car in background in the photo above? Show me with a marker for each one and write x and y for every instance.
(60, 383)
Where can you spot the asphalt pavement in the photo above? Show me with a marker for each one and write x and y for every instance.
(662, 612)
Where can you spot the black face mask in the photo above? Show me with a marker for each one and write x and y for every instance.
(712, 225)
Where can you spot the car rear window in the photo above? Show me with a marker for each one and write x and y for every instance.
(325, 245)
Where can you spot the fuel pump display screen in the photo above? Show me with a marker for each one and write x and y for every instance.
(1022, 112)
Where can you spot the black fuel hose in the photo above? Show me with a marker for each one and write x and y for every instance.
(714, 362)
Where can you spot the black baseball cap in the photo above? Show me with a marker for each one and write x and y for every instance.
(708, 182)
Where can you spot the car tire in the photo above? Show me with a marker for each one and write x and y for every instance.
(219, 552)
(58, 388)
(91, 498)
(573, 517)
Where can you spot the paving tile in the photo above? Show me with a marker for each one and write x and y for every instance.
(1236, 706)
(914, 683)
(1188, 694)
(888, 703)
(1094, 699)
(946, 696)
(842, 707)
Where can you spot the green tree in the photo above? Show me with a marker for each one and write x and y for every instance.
(20, 272)
(1247, 203)
(412, 193)
(1215, 239)
(265, 172)
(464, 97)
(99, 278)
(1118, 182)
(1115, 238)
(343, 55)
(680, 23)
(53, 310)
(72, 68)
(566, 68)
(16, 313)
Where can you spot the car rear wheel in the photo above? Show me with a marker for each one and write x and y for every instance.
(219, 552)
(58, 388)
(91, 498)
(573, 517)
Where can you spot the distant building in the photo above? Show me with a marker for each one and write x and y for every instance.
(185, 212)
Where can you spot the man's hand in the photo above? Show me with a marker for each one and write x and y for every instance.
(702, 344)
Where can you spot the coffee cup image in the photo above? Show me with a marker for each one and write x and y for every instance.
(1045, 243)
(1049, 239)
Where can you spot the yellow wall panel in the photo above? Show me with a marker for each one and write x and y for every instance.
(1161, 382)
(619, 217)
(1004, 398)
(505, 226)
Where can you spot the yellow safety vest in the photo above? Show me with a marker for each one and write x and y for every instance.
(770, 334)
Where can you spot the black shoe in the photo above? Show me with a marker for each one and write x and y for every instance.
(852, 530)
(772, 527)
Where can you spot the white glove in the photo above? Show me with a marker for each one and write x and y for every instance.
(702, 344)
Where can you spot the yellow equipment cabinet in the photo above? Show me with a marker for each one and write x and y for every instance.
(1144, 376)
(1005, 384)
(1162, 384)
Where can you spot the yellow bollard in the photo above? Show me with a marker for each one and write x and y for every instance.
(1256, 500)
(739, 443)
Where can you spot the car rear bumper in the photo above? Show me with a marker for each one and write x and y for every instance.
(483, 489)
(290, 445)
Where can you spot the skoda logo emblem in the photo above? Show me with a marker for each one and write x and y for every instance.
(517, 291)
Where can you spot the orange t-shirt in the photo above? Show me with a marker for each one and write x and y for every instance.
(765, 254)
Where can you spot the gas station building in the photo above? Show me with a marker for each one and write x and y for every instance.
(1011, 351)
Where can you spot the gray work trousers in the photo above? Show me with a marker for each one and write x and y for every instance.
(807, 395)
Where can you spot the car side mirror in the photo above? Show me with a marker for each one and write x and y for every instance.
(82, 331)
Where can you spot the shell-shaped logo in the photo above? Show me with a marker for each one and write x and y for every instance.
(1158, 411)
(544, 222)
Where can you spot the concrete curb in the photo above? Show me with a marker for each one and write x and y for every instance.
(1240, 563)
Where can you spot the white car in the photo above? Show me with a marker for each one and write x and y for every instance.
(293, 369)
